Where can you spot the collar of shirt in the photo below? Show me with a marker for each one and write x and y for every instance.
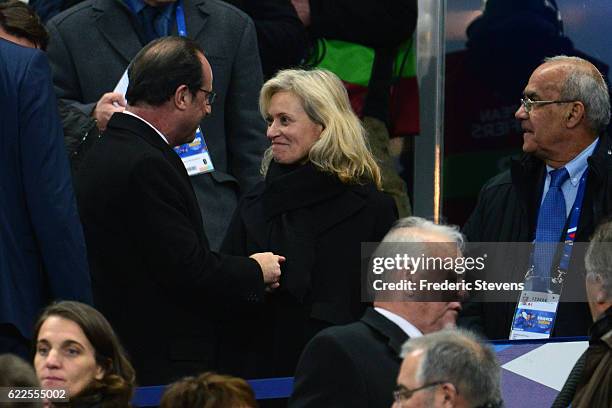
(403, 324)
(578, 164)
(153, 127)
(575, 168)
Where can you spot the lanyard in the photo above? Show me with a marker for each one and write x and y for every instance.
(181, 27)
(570, 235)
(542, 307)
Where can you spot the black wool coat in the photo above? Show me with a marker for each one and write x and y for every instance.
(350, 366)
(318, 223)
(153, 274)
(507, 211)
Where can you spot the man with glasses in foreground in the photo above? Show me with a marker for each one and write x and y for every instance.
(154, 275)
(449, 368)
(557, 192)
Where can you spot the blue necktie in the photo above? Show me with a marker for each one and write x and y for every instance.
(551, 220)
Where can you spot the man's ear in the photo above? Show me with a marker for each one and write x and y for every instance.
(449, 395)
(575, 115)
(601, 296)
(182, 97)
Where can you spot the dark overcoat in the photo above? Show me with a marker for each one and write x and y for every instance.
(318, 223)
(153, 274)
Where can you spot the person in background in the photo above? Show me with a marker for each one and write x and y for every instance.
(42, 250)
(19, 24)
(16, 373)
(76, 349)
(209, 390)
(508, 40)
(450, 368)
(92, 43)
(49, 8)
(590, 381)
(281, 36)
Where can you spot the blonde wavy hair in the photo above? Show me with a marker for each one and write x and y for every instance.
(342, 148)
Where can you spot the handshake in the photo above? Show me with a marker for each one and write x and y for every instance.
(270, 267)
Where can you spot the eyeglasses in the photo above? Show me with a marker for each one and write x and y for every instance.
(528, 104)
(402, 394)
(209, 96)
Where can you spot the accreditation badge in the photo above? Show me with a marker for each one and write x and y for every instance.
(195, 156)
(534, 316)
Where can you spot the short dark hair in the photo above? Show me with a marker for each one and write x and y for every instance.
(209, 390)
(118, 381)
(18, 19)
(162, 66)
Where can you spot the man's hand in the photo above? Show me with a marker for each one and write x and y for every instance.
(270, 267)
(303, 10)
(108, 104)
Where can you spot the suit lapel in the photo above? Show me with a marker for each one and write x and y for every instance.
(115, 24)
(196, 16)
(144, 131)
(395, 335)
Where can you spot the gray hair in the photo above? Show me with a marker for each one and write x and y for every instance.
(585, 83)
(408, 236)
(409, 229)
(461, 358)
(598, 259)
(15, 372)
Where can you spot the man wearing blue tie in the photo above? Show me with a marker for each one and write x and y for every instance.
(557, 192)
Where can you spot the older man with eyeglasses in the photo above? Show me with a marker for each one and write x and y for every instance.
(556, 193)
(450, 368)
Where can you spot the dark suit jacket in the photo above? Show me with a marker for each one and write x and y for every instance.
(42, 251)
(154, 276)
(350, 366)
(91, 45)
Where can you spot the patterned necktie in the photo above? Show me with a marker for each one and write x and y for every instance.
(551, 220)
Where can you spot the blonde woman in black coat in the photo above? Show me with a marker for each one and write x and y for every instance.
(320, 200)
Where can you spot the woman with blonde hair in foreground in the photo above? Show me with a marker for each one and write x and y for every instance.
(320, 200)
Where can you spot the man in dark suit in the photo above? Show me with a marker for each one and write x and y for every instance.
(356, 365)
(154, 276)
(42, 251)
(92, 43)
